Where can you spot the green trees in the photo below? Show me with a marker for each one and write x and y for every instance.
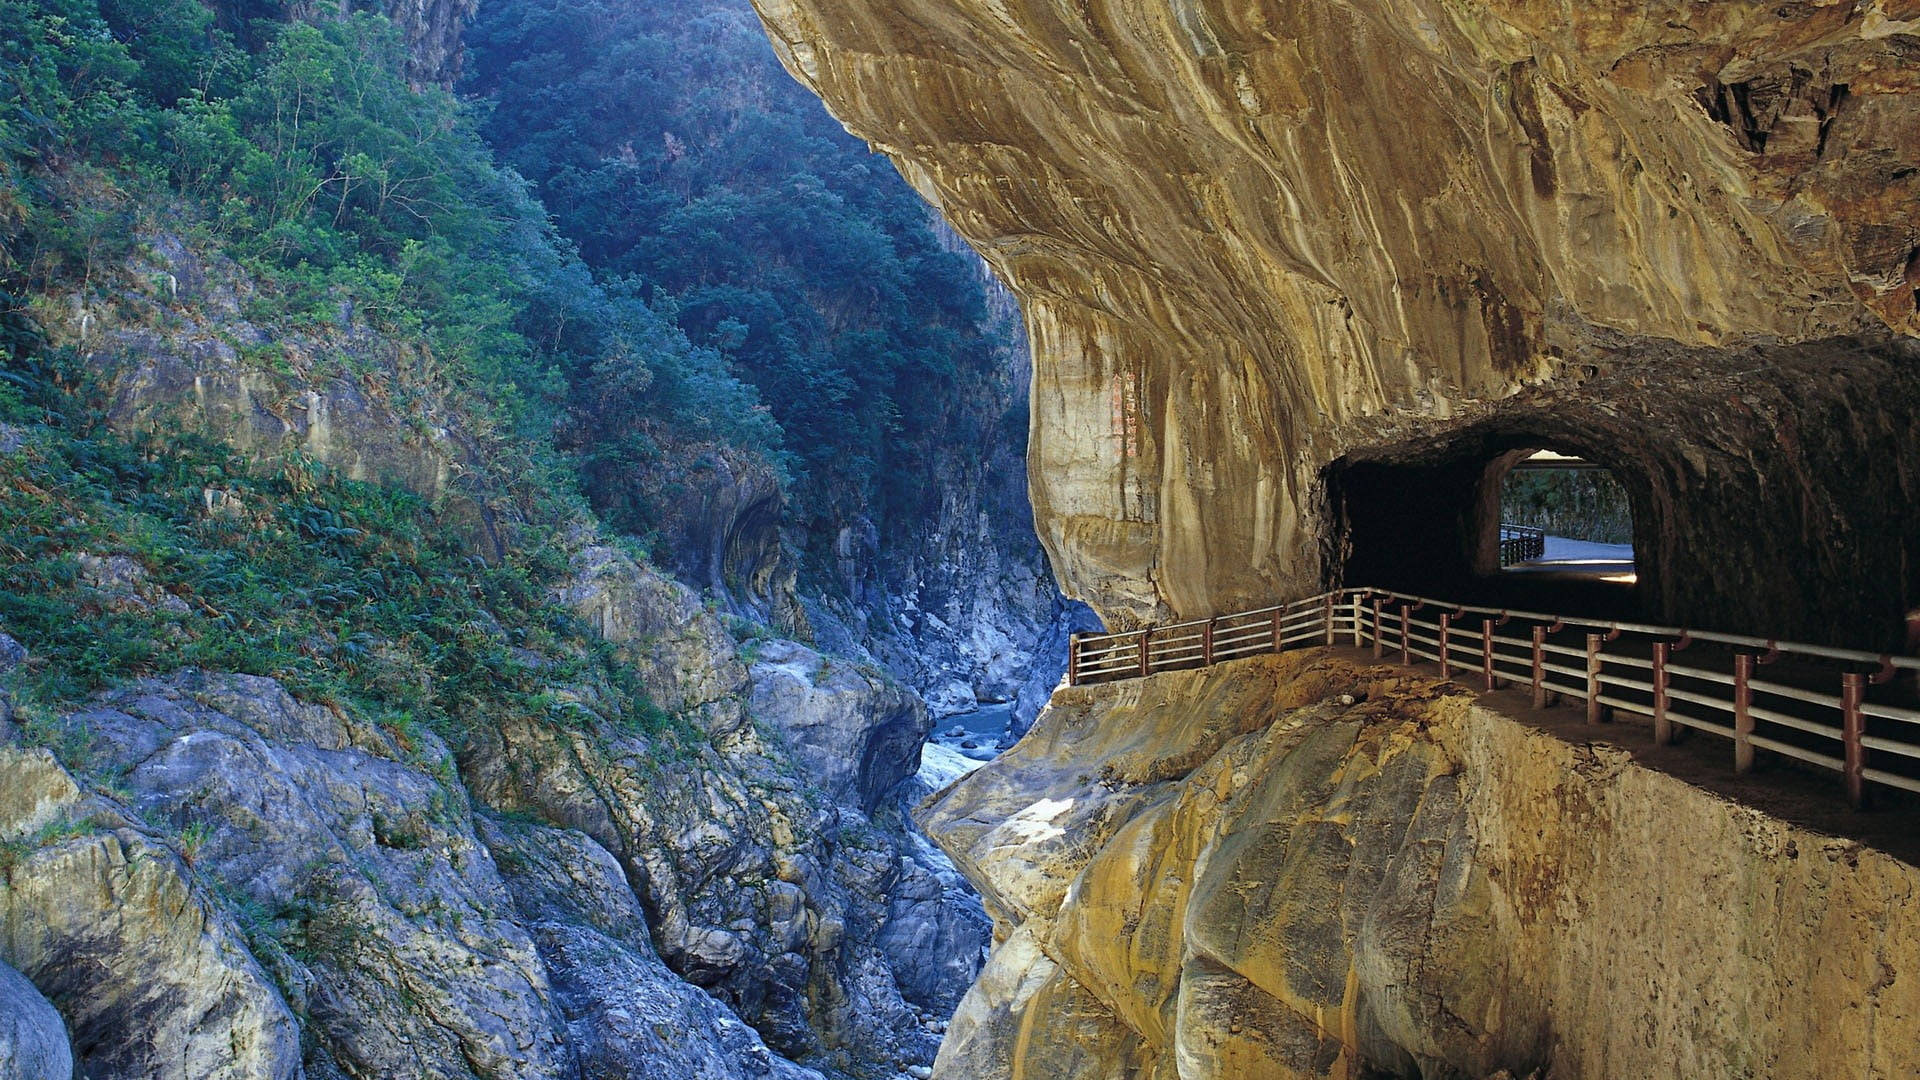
(645, 240)
(681, 160)
(1582, 504)
(308, 157)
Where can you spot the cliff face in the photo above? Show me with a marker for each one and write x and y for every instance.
(1258, 244)
(210, 873)
(1295, 867)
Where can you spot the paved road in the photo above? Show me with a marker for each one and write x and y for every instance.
(1581, 557)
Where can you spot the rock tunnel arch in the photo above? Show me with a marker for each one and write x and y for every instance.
(1425, 517)
(1775, 490)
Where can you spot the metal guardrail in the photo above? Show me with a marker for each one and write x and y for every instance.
(1603, 665)
(1521, 543)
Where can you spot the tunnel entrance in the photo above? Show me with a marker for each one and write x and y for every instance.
(1773, 491)
(1564, 515)
(1508, 519)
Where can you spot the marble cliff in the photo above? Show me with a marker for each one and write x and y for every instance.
(1301, 280)
(1295, 867)
(1283, 263)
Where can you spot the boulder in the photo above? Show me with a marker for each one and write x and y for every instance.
(855, 730)
(33, 1038)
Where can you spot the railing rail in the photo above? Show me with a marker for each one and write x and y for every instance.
(1521, 543)
(1814, 707)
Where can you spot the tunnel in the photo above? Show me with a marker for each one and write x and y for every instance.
(1431, 524)
(1773, 491)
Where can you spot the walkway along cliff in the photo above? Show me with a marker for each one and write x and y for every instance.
(1302, 282)
(1310, 865)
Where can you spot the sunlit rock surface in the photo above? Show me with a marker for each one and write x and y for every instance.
(1253, 239)
(1295, 867)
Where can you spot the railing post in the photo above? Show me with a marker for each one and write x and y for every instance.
(1446, 666)
(1206, 643)
(1539, 666)
(1329, 617)
(1593, 678)
(1662, 727)
(1357, 642)
(1486, 652)
(1073, 658)
(1277, 612)
(1742, 712)
(1376, 628)
(1406, 620)
(1146, 657)
(1853, 692)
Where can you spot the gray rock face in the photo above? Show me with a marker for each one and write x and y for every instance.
(336, 891)
(351, 852)
(682, 653)
(857, 731)
(33, 1038)
(151, 977)
(758, 889)
(936, 931)
(627, 1016)
(1048, 663)
(409, 938)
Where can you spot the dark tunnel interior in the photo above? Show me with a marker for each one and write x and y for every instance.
(1431, 525)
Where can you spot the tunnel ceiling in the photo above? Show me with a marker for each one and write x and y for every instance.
(1253, 239)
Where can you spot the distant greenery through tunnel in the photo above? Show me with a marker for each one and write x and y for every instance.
(1579, 502)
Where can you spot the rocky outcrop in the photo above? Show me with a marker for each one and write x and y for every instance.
(1256, 241)
(758, 888)
(33, 1039)
(720, 517)
(389, 867)
(857, 731)
(267, 392)
(717, 892)
(107, 922)
(775, 917)
(683, 655)
(433, 29)
(627, 1015)
(1296, 867)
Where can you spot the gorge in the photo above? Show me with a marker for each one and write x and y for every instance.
(494, 498)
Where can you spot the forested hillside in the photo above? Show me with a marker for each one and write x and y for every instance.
(632, 249)
(352, 722)
(687, 167)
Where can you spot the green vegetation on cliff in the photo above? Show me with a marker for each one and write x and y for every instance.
(122, 560)
(686, 165)
(347, 193)
(717, 273)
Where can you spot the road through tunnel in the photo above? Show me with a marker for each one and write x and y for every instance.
(1773, 492)
(1432, 522)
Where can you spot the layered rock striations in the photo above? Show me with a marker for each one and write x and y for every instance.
(233, 882)
(1298, 867)
(1254, 241)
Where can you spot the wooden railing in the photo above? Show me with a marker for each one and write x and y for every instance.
(1521, 543)
(1815, 706)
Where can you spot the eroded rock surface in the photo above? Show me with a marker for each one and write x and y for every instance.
(856, 730)
(1296, 867)
(243, 884)
(1254, 239)
(107, 922)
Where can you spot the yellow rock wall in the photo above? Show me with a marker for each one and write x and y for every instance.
(1295, 867)
(1253, 236)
